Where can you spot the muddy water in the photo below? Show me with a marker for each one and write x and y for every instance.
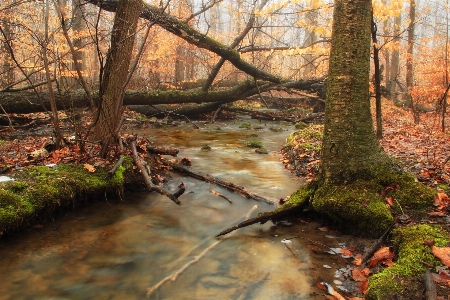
(118, 250)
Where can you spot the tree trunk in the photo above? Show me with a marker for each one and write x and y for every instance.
(350, 147)
(113, 81)
(395, 60)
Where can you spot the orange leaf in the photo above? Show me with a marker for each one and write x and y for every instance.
(443, 254)
(346, 252)
(390, 201)
(89, 167)
(321, 286)
(358, 259)
(382, 254)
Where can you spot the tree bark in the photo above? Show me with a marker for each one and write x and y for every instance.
(350, 147)
(194, 37)
(112, 86)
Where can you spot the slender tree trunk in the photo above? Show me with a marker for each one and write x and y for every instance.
(395, 60)
(116, 72)
(350, 148)
(8, 70)
(410, 59)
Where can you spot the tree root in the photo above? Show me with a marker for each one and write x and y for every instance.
(148, 182)
(375, 245)
(226, 184)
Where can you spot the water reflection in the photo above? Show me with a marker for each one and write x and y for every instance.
(117, 250)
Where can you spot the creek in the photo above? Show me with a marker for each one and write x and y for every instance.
(119, 249)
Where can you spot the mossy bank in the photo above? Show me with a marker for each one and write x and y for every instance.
(37, 192)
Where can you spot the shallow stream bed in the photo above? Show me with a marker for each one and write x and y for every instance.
(120, 249)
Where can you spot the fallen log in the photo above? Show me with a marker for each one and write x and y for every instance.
(148, 182)
(223, 183)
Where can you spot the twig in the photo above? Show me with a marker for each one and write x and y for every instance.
(180, 271)
(114, 169)
(220, 195)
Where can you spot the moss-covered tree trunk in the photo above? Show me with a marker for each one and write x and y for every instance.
(116, 71)
(350, 147)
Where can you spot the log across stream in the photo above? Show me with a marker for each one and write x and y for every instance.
(124, 249)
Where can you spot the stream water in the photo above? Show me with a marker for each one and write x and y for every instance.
(119, 249)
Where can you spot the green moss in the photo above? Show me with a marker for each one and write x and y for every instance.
(206, 148)
(276, 129)
(357, 207)
(301, 125)
(252, 135)
(413, 256)
(300, 197)
(254, 144)
(38, 189)
(245, 125)
(310, 134)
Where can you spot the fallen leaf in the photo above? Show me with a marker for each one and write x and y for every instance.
(321, 286)
(358, 275)
(382, 254)
(440, 278)
(390, 201)
(429, 242)
(443, 253)
(346, 252)
(89, 167)
(358, 259)
(437, 214)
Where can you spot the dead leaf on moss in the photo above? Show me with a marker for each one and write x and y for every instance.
(443, 253)
(358, 259)
(437, 214)
(89, 167)
(441, 278)
(390, 201)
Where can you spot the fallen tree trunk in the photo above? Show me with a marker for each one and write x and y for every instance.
(29, 102)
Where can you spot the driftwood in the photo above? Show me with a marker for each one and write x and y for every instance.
(430, 286)
(208, 178)
(174, 276)
(263, 218)
(148, 182)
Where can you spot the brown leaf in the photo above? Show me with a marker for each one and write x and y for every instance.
(429, 242)
(89, 167)
(440, 278)
(382, 254)
(437, 214)
(321, 286)
(345, 252)
(358, 275)
(390, 201)
(443, 254)
(358, 260)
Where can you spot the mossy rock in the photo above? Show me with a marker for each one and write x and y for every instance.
(262, 151)
(245, 125)
(274, 129)
(254, 144)
(412, 257)
(206, 148)
(310, 134)
(252, 135)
